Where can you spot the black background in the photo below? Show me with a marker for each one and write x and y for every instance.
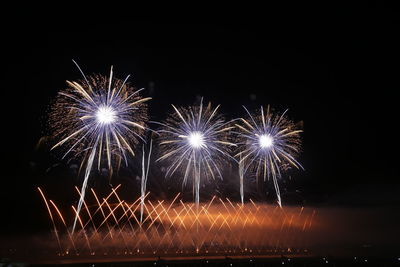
(337, 72)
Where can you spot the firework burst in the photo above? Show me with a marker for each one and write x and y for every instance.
(195, 142)
(98, 120)
(268, 144)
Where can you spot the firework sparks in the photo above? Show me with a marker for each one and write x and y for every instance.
(268, 144)
(195, 141)
(98, 120)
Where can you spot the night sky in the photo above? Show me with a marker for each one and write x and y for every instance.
(336, 72)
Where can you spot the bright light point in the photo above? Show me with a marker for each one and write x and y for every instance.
(265, 141)
(196, 140)
(105, 115)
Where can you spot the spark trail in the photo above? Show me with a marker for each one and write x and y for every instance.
(145, 174)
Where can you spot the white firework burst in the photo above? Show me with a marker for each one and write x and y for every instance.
(98, 119)
(268, 144)
(195, 142)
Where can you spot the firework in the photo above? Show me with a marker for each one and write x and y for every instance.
(194, 141)
(268, 144)
(98, 120)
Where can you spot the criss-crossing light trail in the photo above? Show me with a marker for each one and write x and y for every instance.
(112, 225)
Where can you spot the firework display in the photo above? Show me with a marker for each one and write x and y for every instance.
(195, 141)
(137, 143)
(268, 144)
(98, 120)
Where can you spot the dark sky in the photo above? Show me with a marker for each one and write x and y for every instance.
(336, 72)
